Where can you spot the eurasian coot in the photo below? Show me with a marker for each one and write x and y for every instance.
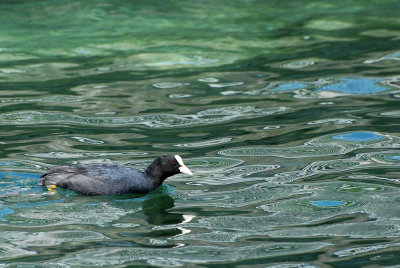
(112, 179)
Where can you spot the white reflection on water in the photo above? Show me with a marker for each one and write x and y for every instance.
(205, 143)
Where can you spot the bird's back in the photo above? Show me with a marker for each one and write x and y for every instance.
(97, 179)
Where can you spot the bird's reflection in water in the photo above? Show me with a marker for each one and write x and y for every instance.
(155, 208)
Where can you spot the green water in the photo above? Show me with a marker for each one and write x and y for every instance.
(287, 112)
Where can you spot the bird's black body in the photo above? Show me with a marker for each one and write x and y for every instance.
(111, 179)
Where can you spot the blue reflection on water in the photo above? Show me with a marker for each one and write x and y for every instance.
(327, 203)
(356, 86)
(35, 204)
(291, 86)
(19, 175)
(18, 182)
(359, 136)
(5, 211)
(394, 157)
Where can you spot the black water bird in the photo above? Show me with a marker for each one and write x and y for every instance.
(112, 179)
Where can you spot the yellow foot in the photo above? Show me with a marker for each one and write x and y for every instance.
(52, 189)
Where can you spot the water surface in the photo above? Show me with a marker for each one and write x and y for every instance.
(287, 113)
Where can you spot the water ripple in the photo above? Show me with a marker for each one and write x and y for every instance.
(69, 155)
(290, 152)
(49, 238)
(224, 171)
(327, 145)
(360, 161)
(99, 214)
(395, 56)
(239, 198)
(231, 84)
(327, 87)
(292, 265)
(205, 143)
(391, 114)
(336, 121)
(298, 64)
(165, 85)
(208, 80)
(349, 199)
(14, 165)
(212, 164)
(87, 140)
(354, 230)
(11, 251)
(290, 128)
(54, 98)
(362, 250)
(210, 116)
(189, 254)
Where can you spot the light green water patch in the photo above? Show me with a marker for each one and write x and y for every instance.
(329, 25)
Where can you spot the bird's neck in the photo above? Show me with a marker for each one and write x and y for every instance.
(155, 174)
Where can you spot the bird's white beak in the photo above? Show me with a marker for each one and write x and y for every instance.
(183, 169)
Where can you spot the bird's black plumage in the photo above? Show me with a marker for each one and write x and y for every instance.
(111, 179)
